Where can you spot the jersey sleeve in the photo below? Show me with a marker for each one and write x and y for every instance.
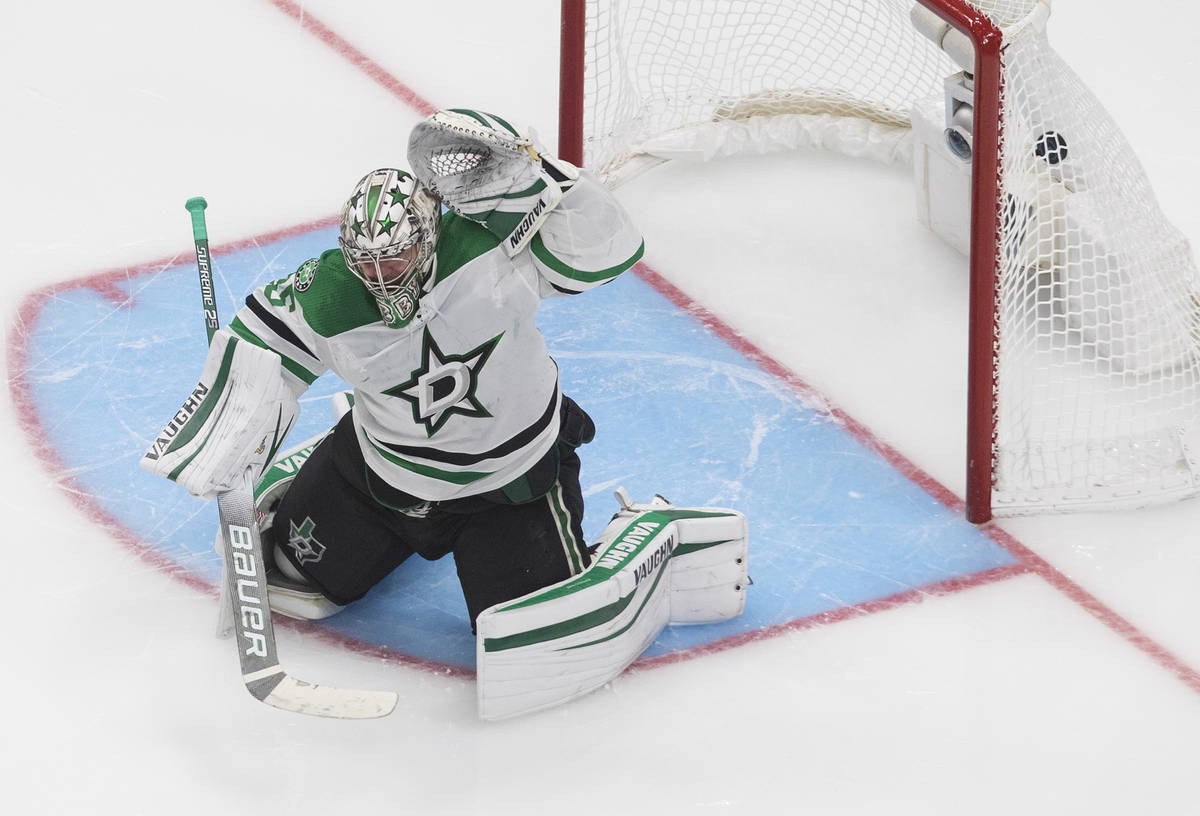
(586, 241)
(272, 319)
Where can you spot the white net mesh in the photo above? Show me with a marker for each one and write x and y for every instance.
(1098, 382)
(1098, 387)
(657, 69)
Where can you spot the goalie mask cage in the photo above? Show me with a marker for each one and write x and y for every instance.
(1083, 361)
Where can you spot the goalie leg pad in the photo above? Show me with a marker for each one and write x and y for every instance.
(566, 640)
(708, 569)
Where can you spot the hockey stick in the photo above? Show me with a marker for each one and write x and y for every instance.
(244, 579)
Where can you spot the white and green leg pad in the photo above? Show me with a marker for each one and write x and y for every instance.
(656, 564)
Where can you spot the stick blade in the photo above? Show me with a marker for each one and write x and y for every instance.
(329, 701)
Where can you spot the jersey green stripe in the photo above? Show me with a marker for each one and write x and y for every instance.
(454, 477)
(545, 256)
(243, 331)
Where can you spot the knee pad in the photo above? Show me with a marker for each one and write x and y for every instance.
(290, 594)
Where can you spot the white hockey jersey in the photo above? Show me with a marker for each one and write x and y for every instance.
(465, 398)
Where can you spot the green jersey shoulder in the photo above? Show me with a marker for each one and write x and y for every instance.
(333, 301)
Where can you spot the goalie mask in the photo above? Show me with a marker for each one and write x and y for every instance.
(388, 235)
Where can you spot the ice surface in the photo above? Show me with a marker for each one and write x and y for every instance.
(1071, 688)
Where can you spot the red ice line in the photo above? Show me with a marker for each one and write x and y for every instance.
(909, 596)
(355, 57)
(106, 283)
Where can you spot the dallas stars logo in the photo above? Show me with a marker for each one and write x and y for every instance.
(445, 384)
(302, 540)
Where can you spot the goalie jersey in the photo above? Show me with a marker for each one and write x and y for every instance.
(465, 398)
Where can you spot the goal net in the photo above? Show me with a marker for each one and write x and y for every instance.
(1084, 381)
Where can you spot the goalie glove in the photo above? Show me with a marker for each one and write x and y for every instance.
(486, 170)
(235, 418)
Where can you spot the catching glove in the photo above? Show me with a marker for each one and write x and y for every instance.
(485, 169)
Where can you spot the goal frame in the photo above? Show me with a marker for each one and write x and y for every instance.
(987, 137)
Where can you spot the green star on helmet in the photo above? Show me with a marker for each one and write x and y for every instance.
(398, 195)
(385, 214)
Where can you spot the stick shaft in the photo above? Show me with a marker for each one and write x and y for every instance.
(245, 589)
(245, 572)
(196, 207)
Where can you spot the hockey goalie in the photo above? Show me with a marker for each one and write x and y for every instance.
(456, 438)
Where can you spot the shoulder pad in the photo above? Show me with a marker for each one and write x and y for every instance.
(461, 241)
(333, 300)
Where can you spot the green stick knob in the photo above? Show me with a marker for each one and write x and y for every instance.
(196, 207)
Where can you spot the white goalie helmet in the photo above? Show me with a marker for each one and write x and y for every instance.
(388, 235)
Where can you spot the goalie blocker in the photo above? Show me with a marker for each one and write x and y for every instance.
(656, 564)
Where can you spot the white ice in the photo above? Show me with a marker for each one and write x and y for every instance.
(1006, 698)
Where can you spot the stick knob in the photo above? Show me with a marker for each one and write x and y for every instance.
(196, 207)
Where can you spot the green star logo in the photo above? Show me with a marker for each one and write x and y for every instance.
(445, 384)
(302, 540)
(397, 195)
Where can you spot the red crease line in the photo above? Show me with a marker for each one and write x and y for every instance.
(914, 595)
(109, 290)
(1096, 608)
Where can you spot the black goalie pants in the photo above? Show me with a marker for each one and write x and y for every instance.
(346, 530)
